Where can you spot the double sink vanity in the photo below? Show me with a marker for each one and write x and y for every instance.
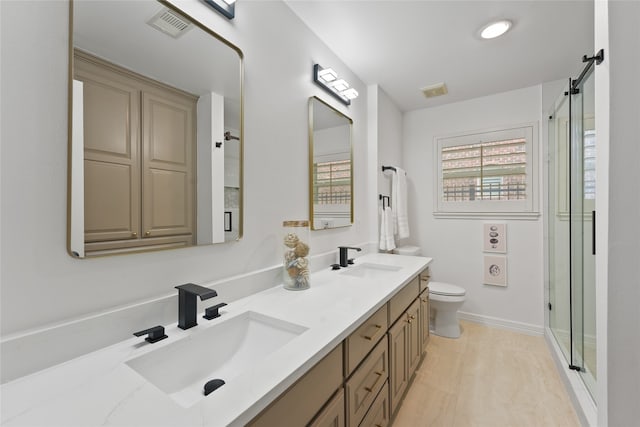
(340, 353)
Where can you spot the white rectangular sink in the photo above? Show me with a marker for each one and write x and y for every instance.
(223, 351)
(370, 270)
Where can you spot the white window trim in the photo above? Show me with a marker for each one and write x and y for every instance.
(524, 209)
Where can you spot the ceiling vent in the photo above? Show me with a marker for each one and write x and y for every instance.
(170, 23)
(435, 90)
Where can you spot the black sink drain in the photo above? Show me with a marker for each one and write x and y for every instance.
(212, 385)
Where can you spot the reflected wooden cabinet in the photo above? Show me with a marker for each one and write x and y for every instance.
(139, 138)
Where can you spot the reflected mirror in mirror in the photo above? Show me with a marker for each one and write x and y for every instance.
(155, 144)
(331, 162)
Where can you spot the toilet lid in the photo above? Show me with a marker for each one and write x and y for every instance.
(441, 288)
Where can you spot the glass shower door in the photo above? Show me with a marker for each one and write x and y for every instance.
(558, 223)
(582, 216)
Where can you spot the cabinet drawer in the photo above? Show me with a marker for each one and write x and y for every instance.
(300, 403)
(363, 339)
(366, 382)
(400, 301)
(333, 414)
(425, 276)
(378, 415)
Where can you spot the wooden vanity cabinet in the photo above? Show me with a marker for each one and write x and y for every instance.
(365, 386)
(425, 312)
(333, 413)
(299, 405)
(366, 382)
(363, 339)
(405, 349)
(378, 415)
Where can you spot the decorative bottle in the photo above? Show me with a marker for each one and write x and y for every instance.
(295, 258)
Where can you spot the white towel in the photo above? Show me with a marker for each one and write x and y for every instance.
(399, 203)
(387, 243)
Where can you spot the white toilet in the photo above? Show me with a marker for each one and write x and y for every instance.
(444, 301)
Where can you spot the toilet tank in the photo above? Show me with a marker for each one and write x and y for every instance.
(407, 250)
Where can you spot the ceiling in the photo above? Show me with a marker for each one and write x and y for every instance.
(404, 46)
(196, 62)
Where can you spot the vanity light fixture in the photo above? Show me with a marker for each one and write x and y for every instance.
(495, 29)
(328, 80)
(225, 7)
(327, 75)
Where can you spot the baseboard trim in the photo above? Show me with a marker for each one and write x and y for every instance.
(496, 322)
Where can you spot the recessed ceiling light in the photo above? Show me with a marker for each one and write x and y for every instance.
(495, 29)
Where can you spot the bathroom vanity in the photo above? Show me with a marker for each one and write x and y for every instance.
(341, 353)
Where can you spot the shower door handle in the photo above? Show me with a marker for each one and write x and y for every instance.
(593, 232)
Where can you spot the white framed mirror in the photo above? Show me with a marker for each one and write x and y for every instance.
(330, 167)
(155, 132)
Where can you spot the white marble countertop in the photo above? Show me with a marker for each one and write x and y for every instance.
(99, 388)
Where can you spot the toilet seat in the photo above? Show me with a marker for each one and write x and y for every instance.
(446, 289)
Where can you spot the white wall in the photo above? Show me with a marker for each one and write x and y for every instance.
(389, 139)
(456, 244)
(617, 87)
(385, 122)
(40, 283)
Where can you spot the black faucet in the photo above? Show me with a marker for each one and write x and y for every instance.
(187, 303)
(344, 260)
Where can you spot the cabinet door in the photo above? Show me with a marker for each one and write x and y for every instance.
(333, 414)
(414, 351)
(398, 363)
(168, 123)
(111, 153)
(424, 319)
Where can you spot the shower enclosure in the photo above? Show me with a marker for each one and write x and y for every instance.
(571, 225)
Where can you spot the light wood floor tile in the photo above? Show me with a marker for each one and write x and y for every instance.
(488, 377)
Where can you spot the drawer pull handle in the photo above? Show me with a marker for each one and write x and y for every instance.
(373, 386)
(412, 317)
(370, 338)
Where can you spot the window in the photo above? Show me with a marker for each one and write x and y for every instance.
(332, 182)
(486, 172)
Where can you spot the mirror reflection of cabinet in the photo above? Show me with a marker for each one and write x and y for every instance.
(330, 167)
(156, 130)
(139, 140)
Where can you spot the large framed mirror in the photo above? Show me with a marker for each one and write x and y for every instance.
(155, 132)
(330, 166)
